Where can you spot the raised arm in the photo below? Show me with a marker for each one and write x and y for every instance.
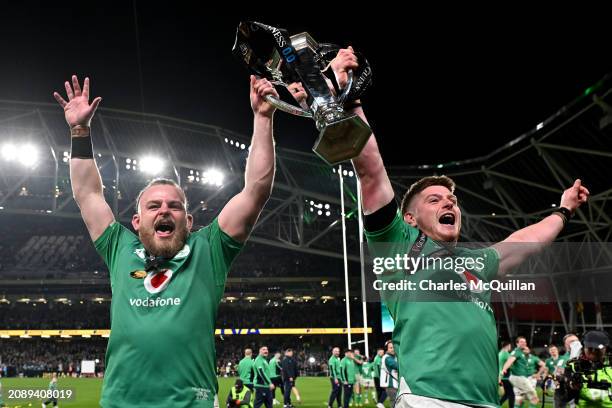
(84, 175)
(508, 364)
(534, 238)
(376, 187)
(240, 214)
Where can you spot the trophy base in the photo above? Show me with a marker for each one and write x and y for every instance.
(342, 139)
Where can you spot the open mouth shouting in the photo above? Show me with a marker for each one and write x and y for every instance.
(164, 228)
(448, 218)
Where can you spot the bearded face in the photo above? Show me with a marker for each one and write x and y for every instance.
(162, 222)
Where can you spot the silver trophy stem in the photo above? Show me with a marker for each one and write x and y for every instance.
(297, 111)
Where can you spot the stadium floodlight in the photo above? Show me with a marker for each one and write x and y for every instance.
(151, 165)
(213, 177)
(28, 155)
(9, 151)
(311, 360)
(24, 300)
(5, 336)
(25, 154)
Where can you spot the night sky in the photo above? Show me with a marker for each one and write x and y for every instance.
(444, 87)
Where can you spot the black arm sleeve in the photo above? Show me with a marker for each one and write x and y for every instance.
(247, 398)
(381, 218)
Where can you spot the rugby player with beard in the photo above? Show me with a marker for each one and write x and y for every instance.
(166, 281)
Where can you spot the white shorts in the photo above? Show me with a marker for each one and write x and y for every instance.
(367, 382)
(405, 399)
(523, 387)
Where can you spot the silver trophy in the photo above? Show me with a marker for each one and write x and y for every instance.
(270, 53)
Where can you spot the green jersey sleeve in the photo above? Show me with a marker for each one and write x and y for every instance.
(397, 231)
(109, 245)
(342, 367)
(223, 249)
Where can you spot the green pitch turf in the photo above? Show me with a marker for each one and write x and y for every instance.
(314, 392)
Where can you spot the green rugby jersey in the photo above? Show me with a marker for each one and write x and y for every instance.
(438, 339)
(554, 364)
(161, 351)
(358, 367)
(502, 358)
(261, 369)
(274, 366)
(347, 370)
(533, 364)
(368, 370)
(376, 366)
(520, 366)
(334, 367)
(245, 370)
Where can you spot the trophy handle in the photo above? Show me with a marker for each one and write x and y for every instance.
(287, 107)
(297, 111)
(347, 88)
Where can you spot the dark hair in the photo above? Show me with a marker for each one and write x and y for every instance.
(518, 338)
(552, 345)
(161, 182)
(506, 343)
(421, 185)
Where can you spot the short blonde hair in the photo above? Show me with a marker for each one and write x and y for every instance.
(161, 182)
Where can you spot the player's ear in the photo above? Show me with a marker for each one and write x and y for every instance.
(189, 222)
(410, 219)
(136, 221)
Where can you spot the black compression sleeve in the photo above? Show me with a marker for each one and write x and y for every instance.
(381, 218)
